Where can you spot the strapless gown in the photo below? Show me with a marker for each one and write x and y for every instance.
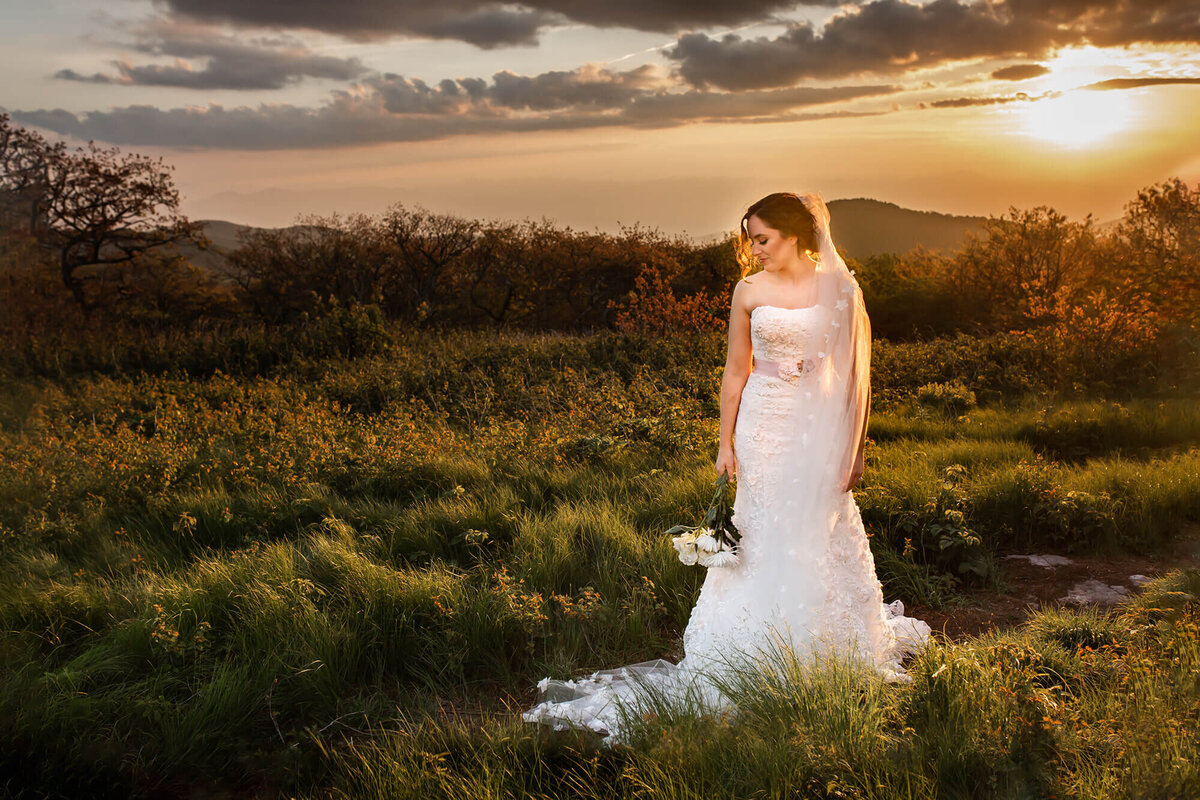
(781, 591)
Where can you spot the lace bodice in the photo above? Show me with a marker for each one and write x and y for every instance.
(785, 334)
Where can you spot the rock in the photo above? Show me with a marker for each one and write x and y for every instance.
(1094, 591)
(1048, 561)
(1139, 580)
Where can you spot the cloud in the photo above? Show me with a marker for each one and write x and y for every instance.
(393, 108)
(230, 62)
(1108, 85)
(1021, 72)
(481, 23)
(963, 102)
(72, 75)
(1138, 83)
(735, 105)
(895, 36)
(587, 86)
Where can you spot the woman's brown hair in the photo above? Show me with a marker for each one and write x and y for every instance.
(785, 212)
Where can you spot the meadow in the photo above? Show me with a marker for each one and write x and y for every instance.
(333, 560)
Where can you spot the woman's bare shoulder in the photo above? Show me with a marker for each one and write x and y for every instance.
(743, 291)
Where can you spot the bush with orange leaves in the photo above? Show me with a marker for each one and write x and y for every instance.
(652, 307)
(1101, 337)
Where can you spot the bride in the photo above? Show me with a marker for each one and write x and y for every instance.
(794, 406)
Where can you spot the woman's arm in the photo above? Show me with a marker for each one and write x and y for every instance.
(856, 469)
(862, 405)
(737, 371)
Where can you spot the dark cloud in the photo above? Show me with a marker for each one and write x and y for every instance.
(588, 87)
(481, 23)
(485, 25)
(894, 36)
(1021, 72)
(393, 108)
(886, 36)
(1114, 23)
(229, 63)
(639, 94)
(963, 102)
(96, 77)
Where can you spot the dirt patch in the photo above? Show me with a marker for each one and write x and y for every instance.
(1029, 586)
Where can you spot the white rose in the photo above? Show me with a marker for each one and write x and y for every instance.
(686, 541)
(686, 545)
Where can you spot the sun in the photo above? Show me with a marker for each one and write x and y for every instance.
(1078, 117)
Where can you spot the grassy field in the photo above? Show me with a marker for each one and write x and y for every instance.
(278, 579)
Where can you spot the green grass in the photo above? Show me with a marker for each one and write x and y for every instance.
(281, 580)
(1072, 704)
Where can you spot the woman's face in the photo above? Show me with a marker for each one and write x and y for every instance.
(770, 246)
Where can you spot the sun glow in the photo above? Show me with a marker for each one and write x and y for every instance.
(1079, 117)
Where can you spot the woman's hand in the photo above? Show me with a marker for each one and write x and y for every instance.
(727, 462)
(855, 472)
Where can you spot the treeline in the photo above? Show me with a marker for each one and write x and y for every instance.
(434, 270)
(93, 238)
(1029, 269)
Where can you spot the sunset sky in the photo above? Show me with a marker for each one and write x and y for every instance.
(674, 115)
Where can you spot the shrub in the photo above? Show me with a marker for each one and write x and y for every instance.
(949, 398)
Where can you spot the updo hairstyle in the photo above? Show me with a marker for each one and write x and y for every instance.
(785, 212)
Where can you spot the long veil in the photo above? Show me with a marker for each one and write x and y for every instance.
(837, 402)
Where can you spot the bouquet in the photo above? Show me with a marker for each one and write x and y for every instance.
(714, 542)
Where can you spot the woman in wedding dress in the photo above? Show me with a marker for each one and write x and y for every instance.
(795, 399)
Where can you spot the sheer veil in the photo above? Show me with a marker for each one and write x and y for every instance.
(836, 404)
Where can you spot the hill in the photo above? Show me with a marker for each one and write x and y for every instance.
(863, 227)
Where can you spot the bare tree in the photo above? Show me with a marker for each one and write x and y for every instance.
(92, 207)
(424, 248)
(105, 208)
(490, 278)
(25, 163)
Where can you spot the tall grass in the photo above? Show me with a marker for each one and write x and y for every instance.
(1057, 708)
(288, 578)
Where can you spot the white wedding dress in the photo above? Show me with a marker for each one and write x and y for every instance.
(814, 584)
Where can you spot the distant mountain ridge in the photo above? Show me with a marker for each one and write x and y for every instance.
(863, 227)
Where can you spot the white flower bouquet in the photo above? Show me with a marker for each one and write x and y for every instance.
(714, 542)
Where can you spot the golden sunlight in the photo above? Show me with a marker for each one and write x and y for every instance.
(1078, 118)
